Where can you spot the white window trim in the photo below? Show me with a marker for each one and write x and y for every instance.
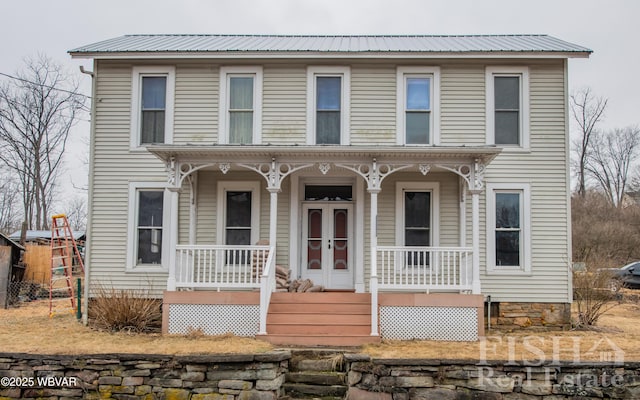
(247, 186)
(225, 74)
(525, 214)
(132, 234)
(525, 112)
(434, 188)
(137, 73)
(345, 100)
(434, 74)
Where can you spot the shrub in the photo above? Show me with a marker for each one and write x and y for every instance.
(125, 310)
(595, 293)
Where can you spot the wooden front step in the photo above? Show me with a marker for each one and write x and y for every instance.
(319, 319)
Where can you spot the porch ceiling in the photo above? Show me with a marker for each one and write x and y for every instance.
(320, 153)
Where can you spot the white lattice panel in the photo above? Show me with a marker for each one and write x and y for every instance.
(430, 323)
(214, 319)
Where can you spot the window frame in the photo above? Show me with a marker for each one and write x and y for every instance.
(240, 186)
(524, 190)
(226, 73)
(434, 188)
(132, 227)
(137, 73)
(345, 101)
(525, 113)
(402, 73)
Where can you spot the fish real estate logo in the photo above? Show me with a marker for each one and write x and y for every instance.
(541, 358)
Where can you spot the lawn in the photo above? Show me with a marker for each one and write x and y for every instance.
(29, 329)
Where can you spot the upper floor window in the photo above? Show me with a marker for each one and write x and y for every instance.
(418, 116)
(507, 99)
(328, 91)
(152, 95)
(508, 228)
(240, 105)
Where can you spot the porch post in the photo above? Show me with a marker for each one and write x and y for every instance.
(475, 234)
(173, 237)
(373, 234)
(273, 215)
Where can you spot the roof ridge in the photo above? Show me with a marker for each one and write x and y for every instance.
(337, 35)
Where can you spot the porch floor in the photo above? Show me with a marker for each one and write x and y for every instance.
(319, 319)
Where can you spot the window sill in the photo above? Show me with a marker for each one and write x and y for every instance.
(143, 269)
(510, 149)
(508, 271)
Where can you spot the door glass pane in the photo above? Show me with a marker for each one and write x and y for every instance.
(327, 193)
(417, 126)
(314, 239)
(340, 239)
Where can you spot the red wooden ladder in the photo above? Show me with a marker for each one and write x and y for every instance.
(64, 252)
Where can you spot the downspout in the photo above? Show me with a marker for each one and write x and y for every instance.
(89, 240)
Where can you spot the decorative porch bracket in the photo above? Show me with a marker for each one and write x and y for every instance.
(177, 171)
(473, 174)
(275, 172)
(373, 173)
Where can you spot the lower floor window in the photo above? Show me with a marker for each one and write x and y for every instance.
(508, 227)
(149, 231)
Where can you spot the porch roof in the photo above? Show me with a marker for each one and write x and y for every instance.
(323, 153)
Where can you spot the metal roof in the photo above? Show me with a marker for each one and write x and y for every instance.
(362, 45)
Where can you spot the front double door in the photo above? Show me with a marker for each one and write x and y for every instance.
(327, 238)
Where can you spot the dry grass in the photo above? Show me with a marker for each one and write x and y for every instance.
(30, 330)
(619, 327)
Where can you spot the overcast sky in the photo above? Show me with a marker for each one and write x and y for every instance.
(610, 28)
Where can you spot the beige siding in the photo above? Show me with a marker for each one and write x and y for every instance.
(196, 104)
(373, 105)
(544, 168)
(284, 108)
(373, 119)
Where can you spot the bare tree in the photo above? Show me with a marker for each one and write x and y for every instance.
(611, 154)
(587, 110)
(10, 215)
(77, 213)
(38, 107)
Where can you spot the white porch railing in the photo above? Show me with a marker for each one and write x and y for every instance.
(424, 268)
(221, 267)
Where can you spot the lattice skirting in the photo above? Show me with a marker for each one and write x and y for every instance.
(214, 319)
(430, 323)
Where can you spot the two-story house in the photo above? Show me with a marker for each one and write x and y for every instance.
(412, 177)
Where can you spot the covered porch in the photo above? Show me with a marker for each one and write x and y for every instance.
(398, 285)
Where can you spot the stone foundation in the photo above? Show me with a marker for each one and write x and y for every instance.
(508, 316)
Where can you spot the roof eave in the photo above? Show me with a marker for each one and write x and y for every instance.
(107, 55)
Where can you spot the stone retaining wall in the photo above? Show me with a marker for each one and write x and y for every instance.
(261, 377)
(148, 377)
(409, 379)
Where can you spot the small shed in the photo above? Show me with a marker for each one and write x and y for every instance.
(11, 267)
